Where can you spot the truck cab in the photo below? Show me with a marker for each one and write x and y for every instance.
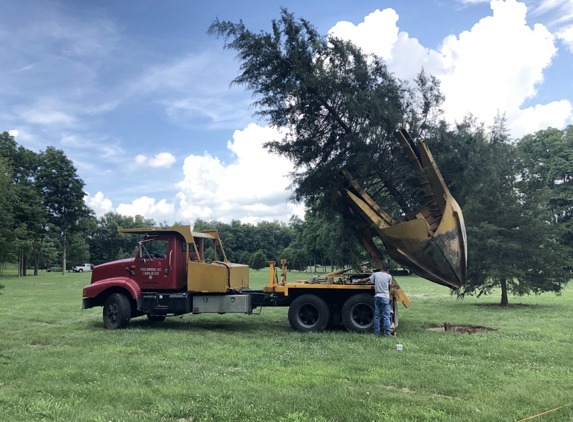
(168, 275)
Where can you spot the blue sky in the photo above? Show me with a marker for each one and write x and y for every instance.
(137, 94)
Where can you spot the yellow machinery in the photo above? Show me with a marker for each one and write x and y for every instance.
(431, 241)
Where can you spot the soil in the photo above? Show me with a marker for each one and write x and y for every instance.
(464, 329)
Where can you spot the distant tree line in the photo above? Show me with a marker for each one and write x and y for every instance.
(42, 210)
(516, 195)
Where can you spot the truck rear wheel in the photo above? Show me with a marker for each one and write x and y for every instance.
(116, 311)
(308, 313)
(358, 313)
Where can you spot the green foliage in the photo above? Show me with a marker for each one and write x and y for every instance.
(245, 258)
(28, 222)
(106, 244)
(6, 210)
(269, 237)
(511, 243)
(340, 107)
(548, 171)
(78, 248)
(258, 261)
(62, 194)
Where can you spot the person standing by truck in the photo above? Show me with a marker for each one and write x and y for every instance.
(382, 280)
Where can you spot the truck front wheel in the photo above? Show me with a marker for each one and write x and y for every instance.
(116, 311)
(308, 313)
(358, 313)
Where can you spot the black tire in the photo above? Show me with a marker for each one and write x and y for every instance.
(156, 318)
(81, 271)
(116, 311)
(358, 313)
(308, 313)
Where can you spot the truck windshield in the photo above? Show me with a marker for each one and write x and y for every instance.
(154, 249)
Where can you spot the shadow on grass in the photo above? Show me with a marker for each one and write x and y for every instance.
(180, 324)
(510, 306)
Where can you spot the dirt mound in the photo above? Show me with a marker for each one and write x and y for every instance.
(464, 329)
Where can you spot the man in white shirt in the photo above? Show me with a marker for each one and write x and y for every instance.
(382, 280)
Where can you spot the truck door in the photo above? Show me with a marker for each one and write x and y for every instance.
(153, 264)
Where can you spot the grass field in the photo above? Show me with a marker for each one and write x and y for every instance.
(58, 363)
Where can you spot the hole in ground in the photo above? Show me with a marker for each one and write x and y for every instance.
(464, 329)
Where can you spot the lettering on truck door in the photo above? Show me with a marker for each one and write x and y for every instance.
(152, 267)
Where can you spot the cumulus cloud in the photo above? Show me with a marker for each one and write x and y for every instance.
(566, 35)
(147, 207)
(13, 133)
(99, 203)
(163, 159)
(251, 189)
(497, 65)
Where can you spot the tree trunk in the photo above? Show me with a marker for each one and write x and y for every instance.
(504, 301)
(64, 254)
(24, 264)
(36, 262)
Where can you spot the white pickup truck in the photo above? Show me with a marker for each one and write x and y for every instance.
(82, 268)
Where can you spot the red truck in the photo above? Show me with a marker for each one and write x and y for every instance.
(170, 275)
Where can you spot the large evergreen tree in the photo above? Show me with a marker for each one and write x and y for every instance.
(338, 107)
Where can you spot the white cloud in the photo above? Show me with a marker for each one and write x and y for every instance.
(147, 207)
(542, 116)
(251, 189)
(163, 159)
(99, 203)
(13, 133)
(377, 34)
(566, 35)
(497, 65)
(43, 115)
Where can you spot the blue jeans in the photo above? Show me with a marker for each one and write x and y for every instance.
(382, 309)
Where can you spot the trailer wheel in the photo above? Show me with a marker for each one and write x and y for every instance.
(358, 313)
(308, 313)
(155, 318)
(116, 311)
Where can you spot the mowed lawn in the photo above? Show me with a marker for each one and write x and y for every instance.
(58, 363)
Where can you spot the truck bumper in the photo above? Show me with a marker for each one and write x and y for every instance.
(88, 302)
